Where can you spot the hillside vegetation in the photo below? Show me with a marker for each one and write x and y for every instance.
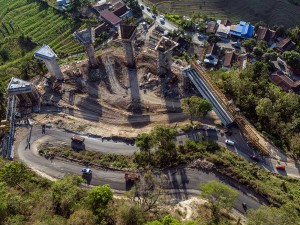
(27, 24)
(283, 12)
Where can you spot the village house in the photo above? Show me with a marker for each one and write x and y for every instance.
(211, 27)
(212, 55)
(285, 44)
(284, 82)
(229, 59)
(265, 34)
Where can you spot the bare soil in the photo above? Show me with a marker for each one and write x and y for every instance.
(113, 99)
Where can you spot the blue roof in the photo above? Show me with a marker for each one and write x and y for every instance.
(243, 30)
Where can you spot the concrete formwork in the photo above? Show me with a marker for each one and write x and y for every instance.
(127, 35)
(86, 38)
(165, 48)
(46, 54)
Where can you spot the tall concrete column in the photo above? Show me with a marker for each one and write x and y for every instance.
(91, 54)
(127, 35)
(46, 54)
(165, 49)
(86, 38)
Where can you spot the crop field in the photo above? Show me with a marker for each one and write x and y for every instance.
(39, 24)
(282, 12)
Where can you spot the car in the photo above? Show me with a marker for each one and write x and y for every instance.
(142, 7)
(154, 16)
(229, 142)
(280, 167)
(162, 17)
(255, 158)
(148, 9)
(86, 171)
(162, 21)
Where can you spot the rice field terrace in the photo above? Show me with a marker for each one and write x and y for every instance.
(27, 24)
(280, 12)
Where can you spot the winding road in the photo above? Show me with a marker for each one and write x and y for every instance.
(182, 182)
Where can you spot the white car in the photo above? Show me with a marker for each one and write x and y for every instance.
(162, 17)
(229, 142)
(86, 171)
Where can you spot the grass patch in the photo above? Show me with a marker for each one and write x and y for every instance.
(26, 25)
(91, 157)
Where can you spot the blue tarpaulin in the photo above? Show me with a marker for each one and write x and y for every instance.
(242, 29)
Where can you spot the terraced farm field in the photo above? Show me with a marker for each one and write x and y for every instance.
(39, 24)
(270, 11)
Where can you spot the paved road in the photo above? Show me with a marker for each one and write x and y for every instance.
(182, 182)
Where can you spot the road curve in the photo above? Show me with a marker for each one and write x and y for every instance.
(182, 182)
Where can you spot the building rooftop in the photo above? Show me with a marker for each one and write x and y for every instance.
(127, 31)
(230, 57)
(165, 44)
(101, 28)
(284, 81)
(285, 45)
(86, 36)
(110, 17)
(223, 29)
(265, 34)
(18, 86)
(120, 9)
(242, 29)
(45, 53)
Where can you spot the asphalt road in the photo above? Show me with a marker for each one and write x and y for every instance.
(182, 182)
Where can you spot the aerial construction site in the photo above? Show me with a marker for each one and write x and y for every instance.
(134, 84)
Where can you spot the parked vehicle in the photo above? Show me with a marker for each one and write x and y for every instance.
(148, 9)
(86, 171)
(162, 17)
(280, 167)
(78, 139)
(131, 177)
(142, 7)
(229, 142)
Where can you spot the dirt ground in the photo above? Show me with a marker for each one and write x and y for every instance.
(113, 99)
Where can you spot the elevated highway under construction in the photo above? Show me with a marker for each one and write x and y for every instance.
(226, 110)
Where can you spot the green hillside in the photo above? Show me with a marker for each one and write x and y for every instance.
(284, 12)
(27, 24)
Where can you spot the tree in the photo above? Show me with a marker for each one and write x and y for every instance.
(131, 214)
(286, 214)
(292, 58)
(164, 141)
(258, 24)
(82, 217)
(99, 197)
(196, 107)
(294, 34)
(169, 220)
(295, 144)
(66, 193)
(145, 142)
(212, 39)
(3, 202)
(14, 174)
(265, 108)
(249, 44)
(148, 191)
(219, 196)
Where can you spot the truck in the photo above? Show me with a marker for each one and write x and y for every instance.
(131, 177)
(78, 139)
